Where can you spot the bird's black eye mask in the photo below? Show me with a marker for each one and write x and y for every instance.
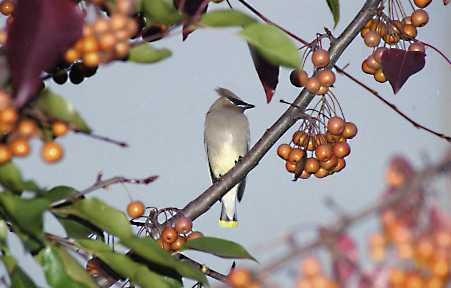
(240, 103)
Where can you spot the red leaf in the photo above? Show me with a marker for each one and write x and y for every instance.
(445, 2)
(343, 268)
(37, 38)
(267, 72)
(191, 8)
(398, 65)
(439, 219)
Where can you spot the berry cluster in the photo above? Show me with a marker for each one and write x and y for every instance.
(327, 149)
(76, 72)
(17, 131)
(242, 278)
(172, 238)
(311, 275)
(394, 31)
(107, 38)
(323, 79)
(421, 243)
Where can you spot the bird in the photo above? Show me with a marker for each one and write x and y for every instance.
(226, 139)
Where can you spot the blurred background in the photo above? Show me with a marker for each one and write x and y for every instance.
(159, 110)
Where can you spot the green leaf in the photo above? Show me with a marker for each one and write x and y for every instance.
(58, 193)
(226, 18)
(25, 213)
(138, 273)
(273, 44)
(145, 53)
(101, 215)
(55, 270)
(334, 6)
(11, 179)
(74, 226)
(55, 106)
(150, 250)
(19, 279)
(219, 247)
(161, 11)
(74, 270)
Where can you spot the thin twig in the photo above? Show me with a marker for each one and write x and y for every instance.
(207, 271)
(102, 138)
(100, 184)
(392, 106)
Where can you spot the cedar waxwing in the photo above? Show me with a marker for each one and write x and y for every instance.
(226, 138)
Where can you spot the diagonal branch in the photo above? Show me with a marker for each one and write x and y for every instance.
(209, 197)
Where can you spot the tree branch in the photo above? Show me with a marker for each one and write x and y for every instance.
(209, 197)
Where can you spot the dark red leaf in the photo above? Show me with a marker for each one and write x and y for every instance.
(344, 266)
(445, 2)
(267, 72)
(37, 38)
(439, 219)
(191, 8)
(398, 65)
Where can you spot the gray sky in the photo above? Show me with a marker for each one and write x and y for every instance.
(159, 110)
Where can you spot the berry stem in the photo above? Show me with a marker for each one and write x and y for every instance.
(438, 51)
(392, 106)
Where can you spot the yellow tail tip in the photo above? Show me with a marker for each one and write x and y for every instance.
(228, 224)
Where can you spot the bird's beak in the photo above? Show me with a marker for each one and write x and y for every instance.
(240, 103)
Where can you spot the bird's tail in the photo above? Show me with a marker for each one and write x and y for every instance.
(228, 217)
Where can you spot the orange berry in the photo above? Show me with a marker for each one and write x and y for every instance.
(71, 55)
(91, 59)
(194, 235)
(304, 175)
(330, 164)
(178, 244)
(417, 46)
(183, 224)
(52, 152)
(3, 37)
(89, 44)
(135, 209)
(8, 115)
(5, 154)
(320, 58)
(367, 69)
(7, 7)
(440, 267)
(311, 267)
(295, 155)
(59, 128)
(377, 54)
(373, 63)
(125, 7)
(420, 18)
(350, 130)
(422, 3)
(321, 173)
(335, 125)
(414, 281)
(312, 85)
(326, 77)
(377, 253)
(396, 277)
(322, 90)
(107, 41)
(298, 77)
(341, 164)
(372, 39)
(239, 278)
(283, 151)
(27, 128)
(164, 245)
(409, 31)
(121, 49)
(424, 249)
(19, 147)
(290, 166)
(131, 27)
(379, 76)
(118, 21)
(311, 165)
(101, 25)
(324, 152)
(169, 235)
